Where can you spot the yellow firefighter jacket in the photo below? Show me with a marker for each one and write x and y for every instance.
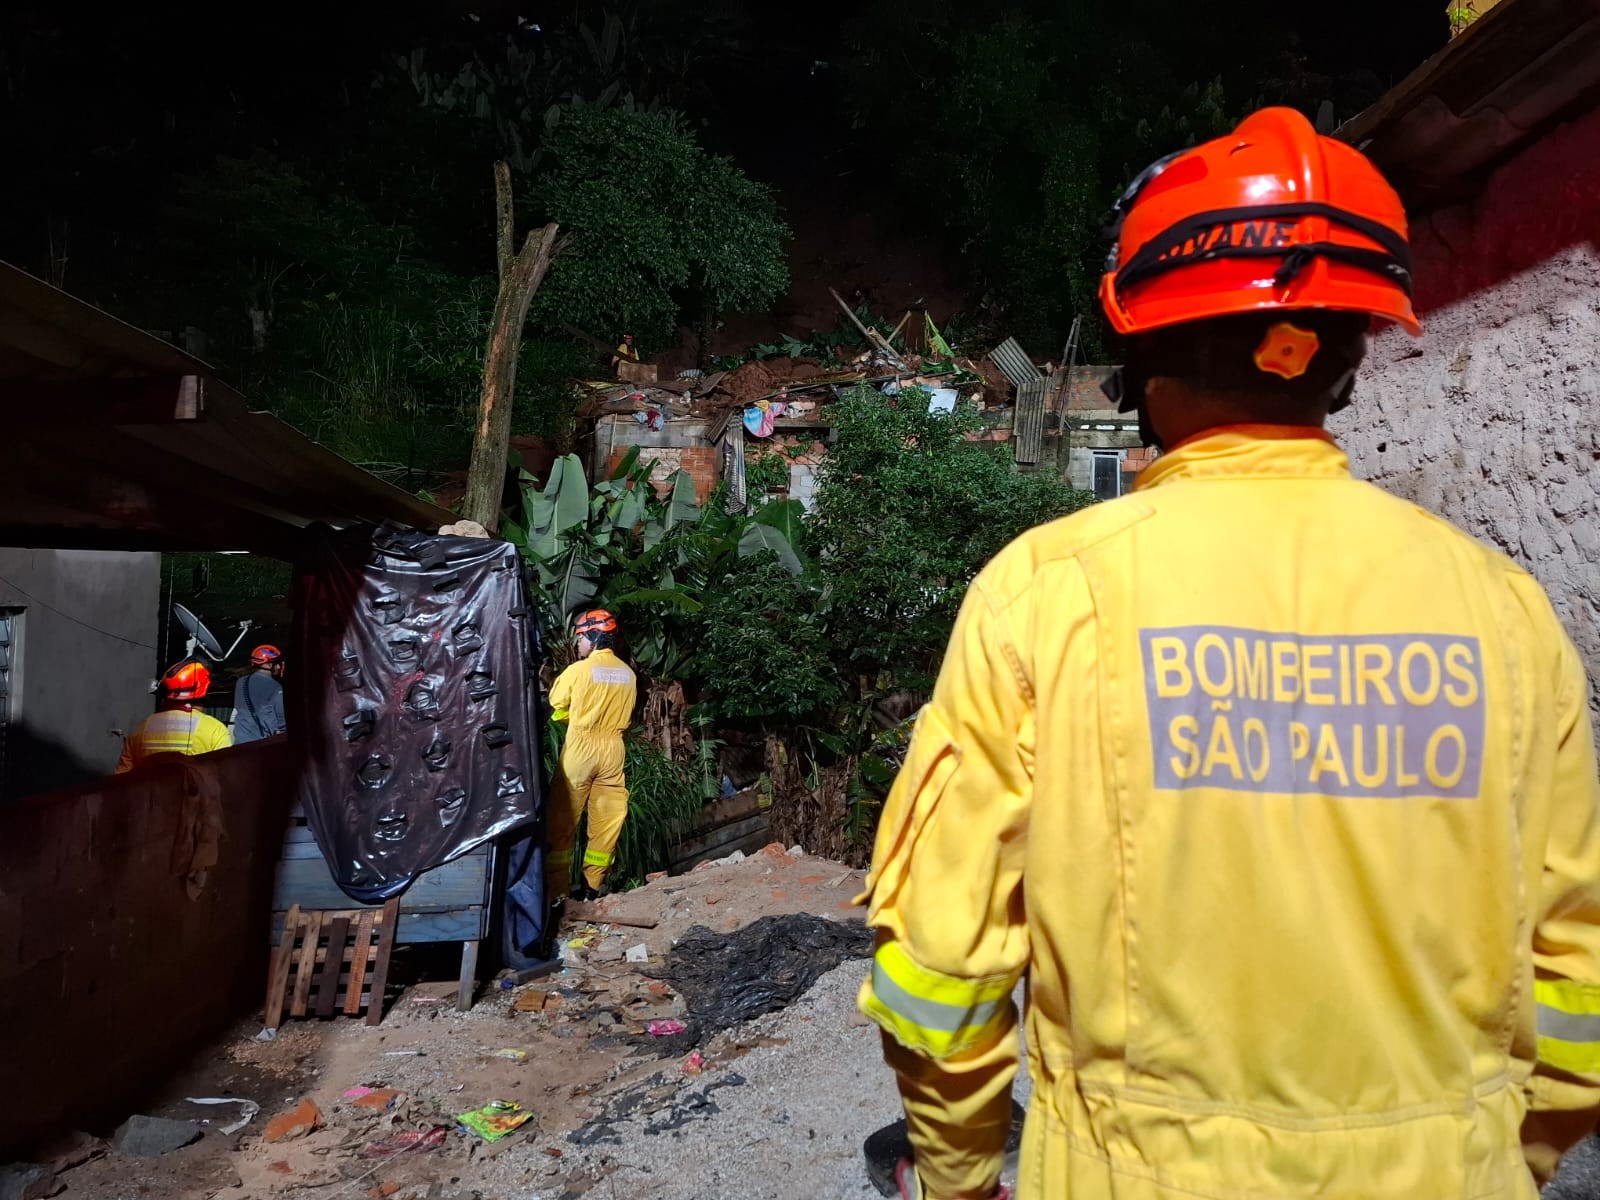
(172, 731)
(1280, 793)
(596, 695)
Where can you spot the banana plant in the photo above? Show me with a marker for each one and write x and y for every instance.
(616, 544)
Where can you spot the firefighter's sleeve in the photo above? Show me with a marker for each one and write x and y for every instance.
(1564, 1092)
(212, 735)
(946, 899)
(561, 695)
(125, 759)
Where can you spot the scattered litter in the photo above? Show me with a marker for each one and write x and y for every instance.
(729, 978)
(297, 1122)
(694, 1064)
(356, 1093)
(638, 954)
(427, 999)
(508, 1053)
(495, 1119)
(247, 1110)
(151, 1137)
(383, 1190)
(664, 1028)
(267, 1035)
(412, 1141)
(797, 851)
(405, 1054)
(553, 1151)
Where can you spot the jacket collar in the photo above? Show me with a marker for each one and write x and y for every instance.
(1239, 451)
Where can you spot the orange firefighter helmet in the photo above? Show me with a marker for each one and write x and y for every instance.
(1273, 216)
(596, 620)
(188, 680)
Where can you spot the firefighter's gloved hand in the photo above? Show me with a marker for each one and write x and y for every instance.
(911, 1186)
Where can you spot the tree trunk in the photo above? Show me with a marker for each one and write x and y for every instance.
(520, 277)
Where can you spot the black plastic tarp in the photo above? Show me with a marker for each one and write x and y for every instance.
(416, 702)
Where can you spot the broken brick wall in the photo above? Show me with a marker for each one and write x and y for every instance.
(679, 445)
(110, 975)
(1492, 417)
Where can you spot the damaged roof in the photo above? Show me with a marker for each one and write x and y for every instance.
(119, 440)
(1520, 69)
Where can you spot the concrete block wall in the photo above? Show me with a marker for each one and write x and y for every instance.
(109, 972)
(1492, 417)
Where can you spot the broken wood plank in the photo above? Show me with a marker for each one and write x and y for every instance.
(328, 977)
(386, 922)
(593, 912)
(874, 338)
(278, 970)
(469, 975)
(306, 967)
(362, 954)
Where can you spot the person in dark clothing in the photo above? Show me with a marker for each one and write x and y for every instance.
(258, 698)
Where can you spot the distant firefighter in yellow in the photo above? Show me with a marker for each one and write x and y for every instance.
(595, 696)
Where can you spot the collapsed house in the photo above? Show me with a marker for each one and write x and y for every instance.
(761, 429)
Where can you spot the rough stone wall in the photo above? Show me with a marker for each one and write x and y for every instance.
(1492, 417)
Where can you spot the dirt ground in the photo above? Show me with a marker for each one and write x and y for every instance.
(571, 1048)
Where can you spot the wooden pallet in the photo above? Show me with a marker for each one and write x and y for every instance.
(331, 960)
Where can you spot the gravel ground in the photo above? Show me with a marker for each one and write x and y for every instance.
(786, 1119)
(1579, 1178)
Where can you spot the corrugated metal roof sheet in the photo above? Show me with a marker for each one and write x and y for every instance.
(1028, 442)
(90, 461)
(1014, 362)
(1514, 72)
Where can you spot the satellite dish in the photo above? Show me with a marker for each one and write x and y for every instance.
(202, 639)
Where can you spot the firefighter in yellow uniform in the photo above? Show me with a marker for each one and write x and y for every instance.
(595, 696)
(178, 727)
(1279, 792)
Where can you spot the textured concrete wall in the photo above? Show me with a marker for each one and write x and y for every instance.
(86, 658)
(1492, 418)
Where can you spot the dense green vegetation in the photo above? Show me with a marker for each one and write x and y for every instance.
(307, 202)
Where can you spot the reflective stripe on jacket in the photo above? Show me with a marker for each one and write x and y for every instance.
(1281, 793)
(173, 731)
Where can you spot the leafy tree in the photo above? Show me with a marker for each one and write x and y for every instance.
(763, 651)
(659, 227)
(908, 510)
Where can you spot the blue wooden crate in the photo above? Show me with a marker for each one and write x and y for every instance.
(450, 903)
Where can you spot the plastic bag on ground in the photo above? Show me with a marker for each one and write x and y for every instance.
(729, 978)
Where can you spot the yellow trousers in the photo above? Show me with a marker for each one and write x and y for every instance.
(590, 777)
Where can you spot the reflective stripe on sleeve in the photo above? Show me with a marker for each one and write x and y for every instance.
(597, 858)
(1569, 1024)
(929, 1011)
(560, 714)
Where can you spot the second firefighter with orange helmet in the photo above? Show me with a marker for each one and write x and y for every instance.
(258, 697)
(595, 696)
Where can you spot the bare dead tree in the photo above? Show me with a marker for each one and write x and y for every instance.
(521, 273)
